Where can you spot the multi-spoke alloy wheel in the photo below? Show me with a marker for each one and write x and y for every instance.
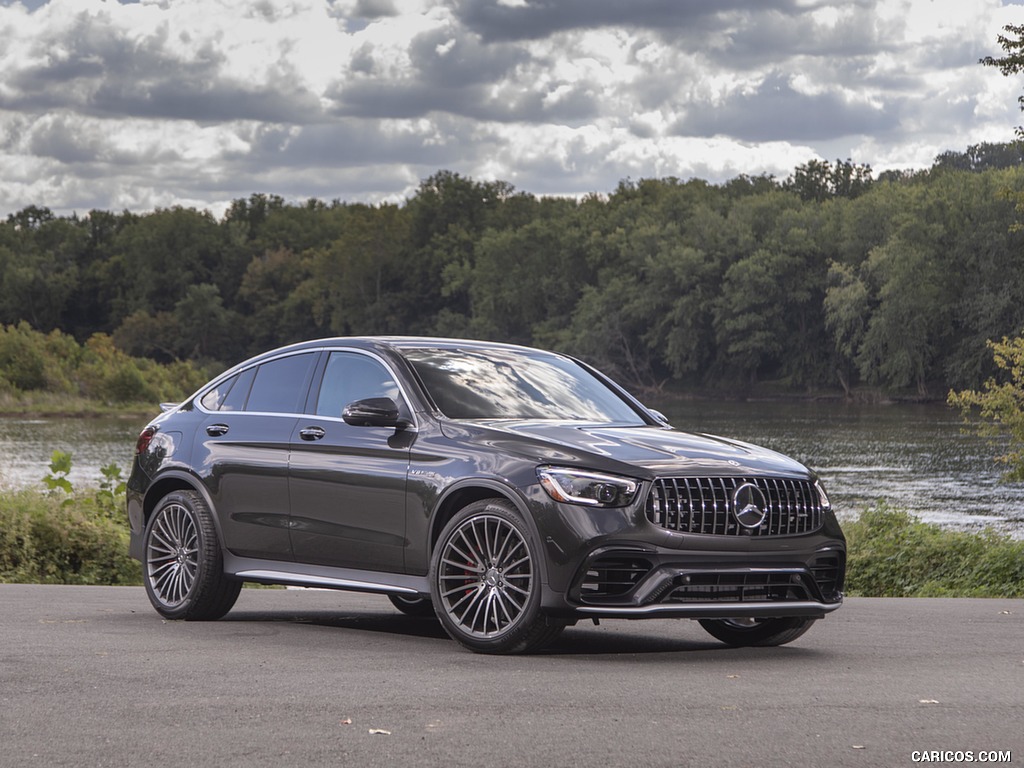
(485, 582)
(172, 557)
(182, 565)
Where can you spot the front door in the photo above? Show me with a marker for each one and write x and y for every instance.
(347, 484)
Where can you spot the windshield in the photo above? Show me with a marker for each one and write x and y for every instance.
(516, 384)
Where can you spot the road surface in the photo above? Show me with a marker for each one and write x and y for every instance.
(92, 676)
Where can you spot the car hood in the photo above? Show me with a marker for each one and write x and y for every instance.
(660, 450)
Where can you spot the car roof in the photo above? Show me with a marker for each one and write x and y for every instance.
(396, 343)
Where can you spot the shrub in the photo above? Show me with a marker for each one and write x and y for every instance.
(1001, 404)
(893, 554)
(22, 359)
(33, 362)
(43, 541)
(66, 537)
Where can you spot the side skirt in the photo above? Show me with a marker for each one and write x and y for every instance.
(325, 577)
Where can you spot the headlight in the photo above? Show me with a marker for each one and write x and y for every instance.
(822, 496)
(594, 489)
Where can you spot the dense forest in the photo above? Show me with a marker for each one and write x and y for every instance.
(828, 280)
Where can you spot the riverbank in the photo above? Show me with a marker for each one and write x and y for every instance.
(28, 405)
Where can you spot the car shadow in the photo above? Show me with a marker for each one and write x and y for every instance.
(580, 641)
(392, 624)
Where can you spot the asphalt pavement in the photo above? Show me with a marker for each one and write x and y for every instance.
(92, 676)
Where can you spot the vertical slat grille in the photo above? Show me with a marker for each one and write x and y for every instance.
(706, 505)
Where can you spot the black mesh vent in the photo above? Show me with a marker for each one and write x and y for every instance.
(739, 588)
(706, 505)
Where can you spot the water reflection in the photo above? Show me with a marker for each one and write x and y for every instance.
(914, 456)
(27, 444)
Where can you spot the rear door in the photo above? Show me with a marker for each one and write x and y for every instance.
(242, 453)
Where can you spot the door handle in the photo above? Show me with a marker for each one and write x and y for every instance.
(311, 433)
(216, 430)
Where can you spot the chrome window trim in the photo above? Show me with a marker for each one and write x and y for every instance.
(198, 397)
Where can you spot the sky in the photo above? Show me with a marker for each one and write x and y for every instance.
(144, 104)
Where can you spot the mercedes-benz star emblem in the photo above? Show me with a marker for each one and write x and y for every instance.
(749, 506)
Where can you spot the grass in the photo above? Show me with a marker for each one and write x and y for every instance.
(53, 404)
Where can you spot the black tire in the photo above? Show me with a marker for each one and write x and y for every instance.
(757, 632)
(182, 566)
(412, 605)
(486, 581)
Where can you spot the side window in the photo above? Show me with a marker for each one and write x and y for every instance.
(349, 377)
(211, 400)
(280, 385)
(235, 400)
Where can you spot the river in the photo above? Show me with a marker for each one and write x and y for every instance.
(916, 457)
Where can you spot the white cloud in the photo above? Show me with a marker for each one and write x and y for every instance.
(111, 105)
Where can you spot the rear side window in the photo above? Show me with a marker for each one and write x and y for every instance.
(229, 395)
(211, 400)
(280, 385)
(235, 399)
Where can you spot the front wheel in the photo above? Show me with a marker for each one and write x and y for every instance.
(486, 581)
(182, 565)
(757, 632)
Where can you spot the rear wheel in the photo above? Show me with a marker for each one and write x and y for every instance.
(413, 606)
(485, 580)
(183, 568)
(757, 632)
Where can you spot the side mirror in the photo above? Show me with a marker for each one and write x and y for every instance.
(373, 412)
(659, 416)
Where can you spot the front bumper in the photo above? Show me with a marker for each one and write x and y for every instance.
(652, 582)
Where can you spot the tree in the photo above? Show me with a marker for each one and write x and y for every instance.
(39, 267)
(1001, 403)
(1012, 63)
(846, 316)
(819, 180)
(363, 276)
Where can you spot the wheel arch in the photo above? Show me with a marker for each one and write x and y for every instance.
(477, 489)
(176, 481)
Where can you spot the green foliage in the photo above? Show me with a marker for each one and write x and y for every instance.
(31, 361)
(829, 278)
(110, 496)
(57, 479)
(1000, 403)
(1012, 63)
(893, 554)
(66, 536)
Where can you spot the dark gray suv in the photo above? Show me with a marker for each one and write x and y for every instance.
(509, 491)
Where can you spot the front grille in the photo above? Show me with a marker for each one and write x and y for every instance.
(740, 588)
(705, 505)
(613, 576)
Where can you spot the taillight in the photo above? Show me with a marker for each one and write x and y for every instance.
(145, 438)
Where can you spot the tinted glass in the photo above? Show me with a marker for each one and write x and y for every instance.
(513, 384)
(211, 400)
(235, 400)
(349, 377)
(280, 385)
